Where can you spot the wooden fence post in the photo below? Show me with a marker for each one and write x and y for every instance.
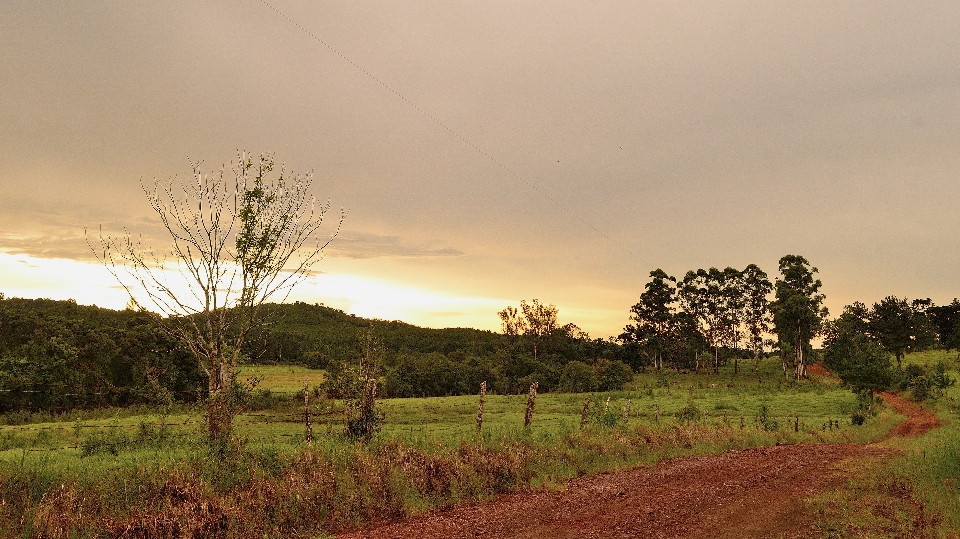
(483, 395)
(306, 412)
(585, 414)
(531, 401)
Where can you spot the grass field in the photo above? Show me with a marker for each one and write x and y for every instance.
(653, 398)
(281, 378)
(100, 454)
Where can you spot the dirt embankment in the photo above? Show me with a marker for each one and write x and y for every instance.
(752, 493)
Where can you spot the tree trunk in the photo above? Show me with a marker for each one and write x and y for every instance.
(219, 408)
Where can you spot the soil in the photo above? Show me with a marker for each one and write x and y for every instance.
(749, 493)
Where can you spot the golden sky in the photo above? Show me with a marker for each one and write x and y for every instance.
(494, 151)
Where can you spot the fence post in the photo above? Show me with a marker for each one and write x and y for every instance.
(531, 401)
(585, 414)
(796, 424)
(306, 411)
(626, 411)
(483, 395)
(656, 414)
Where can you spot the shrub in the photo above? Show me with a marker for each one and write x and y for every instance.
(921, 387)
(613, 375)
(689, 413)
(111, 440)
(768, 423)
(578, 377)
(939, 378)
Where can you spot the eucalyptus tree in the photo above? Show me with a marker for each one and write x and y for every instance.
(756, 310)
(732, 302)
(541, 321)
(691, 294)
(241, 239)
(707, 295)
(798, 312)
(653, 316)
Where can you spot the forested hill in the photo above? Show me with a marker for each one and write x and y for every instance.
(315, 335)
(57, 354)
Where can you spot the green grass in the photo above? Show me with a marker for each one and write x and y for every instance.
(282, 378)
(450, 420)
(929, 358)
(427, 455)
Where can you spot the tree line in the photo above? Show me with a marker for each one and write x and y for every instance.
(726, 315)
(57, 354)
(859, 344)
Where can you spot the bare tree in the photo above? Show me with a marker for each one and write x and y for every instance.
(239, 244)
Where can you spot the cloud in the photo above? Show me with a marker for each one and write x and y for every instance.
(361, 245)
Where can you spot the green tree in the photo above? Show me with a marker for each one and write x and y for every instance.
(899, 326)
(946, 321)
(238, 243)
(860, 362)
(653, 316)
(541, 322)
(756, 317)
(715, 300)
(798, 313)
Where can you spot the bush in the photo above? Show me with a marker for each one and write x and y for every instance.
(111, 440)
(689, 413)
(908, 375)
(578, 377)
(921, 387)
(940, 379)
(768, 423)
(606, 417)
(613, 375)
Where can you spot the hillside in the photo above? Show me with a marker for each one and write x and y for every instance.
(59, 355)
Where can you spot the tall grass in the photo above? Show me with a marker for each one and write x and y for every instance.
(295, 491)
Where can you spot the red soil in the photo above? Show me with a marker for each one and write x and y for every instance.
(752, 493)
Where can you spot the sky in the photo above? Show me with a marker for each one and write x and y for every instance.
(488, 152)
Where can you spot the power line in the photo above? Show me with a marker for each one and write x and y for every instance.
(450, 130)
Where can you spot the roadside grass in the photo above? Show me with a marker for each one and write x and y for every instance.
(911, 494)
(152, 473)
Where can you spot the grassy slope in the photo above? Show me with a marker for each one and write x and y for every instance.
(911, 495)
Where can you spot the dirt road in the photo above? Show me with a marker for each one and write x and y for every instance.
(751, 493)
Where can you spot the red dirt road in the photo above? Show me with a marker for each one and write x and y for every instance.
(751, 493)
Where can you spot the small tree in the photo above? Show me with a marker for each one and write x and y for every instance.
(237, 244)
(861, 363)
